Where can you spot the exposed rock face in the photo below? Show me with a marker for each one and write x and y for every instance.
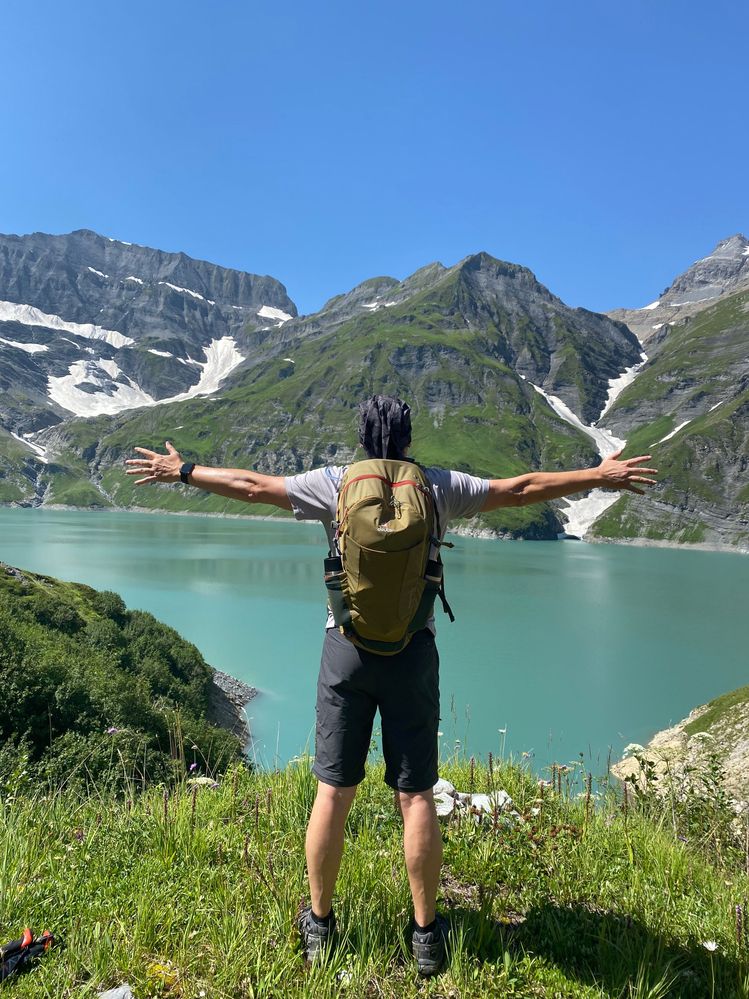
(720, 728)
(87, 278)
(91, 325)
(228, 698)
(722, 272)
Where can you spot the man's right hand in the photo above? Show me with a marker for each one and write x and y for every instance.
(156, 467)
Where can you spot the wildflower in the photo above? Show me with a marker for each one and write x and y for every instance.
(632, 749)
(193, 766)
(502, 731)
(529, 755)
(112, 730)
(710, 945)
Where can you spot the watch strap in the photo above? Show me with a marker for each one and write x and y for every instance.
(186, 471)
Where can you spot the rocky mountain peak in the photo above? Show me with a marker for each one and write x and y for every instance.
(57, 272)
(492, 276)
(722, 270)
(734, 246)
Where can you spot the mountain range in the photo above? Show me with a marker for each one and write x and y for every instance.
(106, 345)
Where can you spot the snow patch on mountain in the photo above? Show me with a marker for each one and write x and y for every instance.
(268, 312)
(605, 442)
(39, 451)
(160, 353)
(673, 433)
(583, 512)
(617, 385)
(221, 357)
(30, 348)
(133, 278)
(94, 271)
(187, 291)
(653, 305)
(114, 392)
(109, 397)
(28, 315)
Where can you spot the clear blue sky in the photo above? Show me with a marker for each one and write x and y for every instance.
(604, 145)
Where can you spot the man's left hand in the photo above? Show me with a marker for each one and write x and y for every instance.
(618, 474)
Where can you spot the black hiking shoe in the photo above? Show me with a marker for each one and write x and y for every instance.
(429, 948)
(316, 939)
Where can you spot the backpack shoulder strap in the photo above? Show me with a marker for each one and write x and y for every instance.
(438, 543)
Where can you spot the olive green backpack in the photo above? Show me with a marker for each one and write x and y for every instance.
(381, 579)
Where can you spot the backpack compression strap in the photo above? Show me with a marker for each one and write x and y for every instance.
(394, 485)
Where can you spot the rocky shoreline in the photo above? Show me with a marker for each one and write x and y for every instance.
(227, 700)
(685, 748)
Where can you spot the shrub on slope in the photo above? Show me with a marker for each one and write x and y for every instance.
(91, 690)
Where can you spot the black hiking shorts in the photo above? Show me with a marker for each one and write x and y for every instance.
(352, 685)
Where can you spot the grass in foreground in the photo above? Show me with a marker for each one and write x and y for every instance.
(192, 891)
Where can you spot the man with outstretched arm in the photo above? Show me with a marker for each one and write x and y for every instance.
(353, 683)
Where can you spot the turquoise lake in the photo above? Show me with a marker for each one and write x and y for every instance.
(572, 648)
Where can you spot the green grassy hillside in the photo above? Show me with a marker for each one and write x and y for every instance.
(699, 374)
(191, 891)
(16, 470)
(470, 411)
(90, 689)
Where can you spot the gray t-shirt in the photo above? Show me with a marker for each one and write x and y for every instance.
(314, 496)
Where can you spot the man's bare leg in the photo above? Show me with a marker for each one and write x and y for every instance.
(324, 844)
(422, 846)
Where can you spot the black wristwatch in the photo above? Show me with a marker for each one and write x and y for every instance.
(186, 471)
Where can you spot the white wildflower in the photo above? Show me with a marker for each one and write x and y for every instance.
(710, 945)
